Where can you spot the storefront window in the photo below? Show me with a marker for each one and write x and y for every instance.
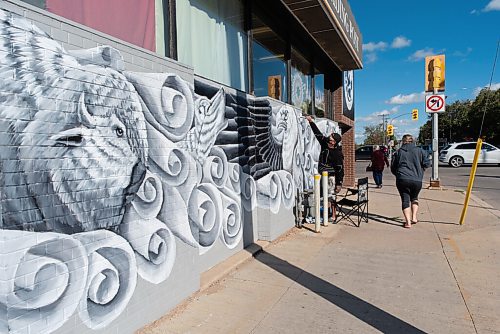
(319, 95)
(211, 39)
(301, 82)
(268, 63)
(132, 21)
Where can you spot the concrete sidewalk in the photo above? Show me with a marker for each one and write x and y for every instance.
(437, 277)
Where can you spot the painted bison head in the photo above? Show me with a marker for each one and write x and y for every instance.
(83, 154)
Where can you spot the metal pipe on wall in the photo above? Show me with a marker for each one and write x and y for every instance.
(324, 185)
(317, 214)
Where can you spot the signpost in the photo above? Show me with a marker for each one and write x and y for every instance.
(434, 104)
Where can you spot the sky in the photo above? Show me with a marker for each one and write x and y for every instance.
(398, 34)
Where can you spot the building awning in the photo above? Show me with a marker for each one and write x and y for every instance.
(332, 24)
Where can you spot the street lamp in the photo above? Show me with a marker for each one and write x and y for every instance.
(408, 113)
(392, 119)
(390, 122)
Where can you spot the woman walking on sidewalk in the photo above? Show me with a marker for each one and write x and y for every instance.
(379, 161)
(408, 165)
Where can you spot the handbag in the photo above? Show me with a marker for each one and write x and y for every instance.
(369, 168)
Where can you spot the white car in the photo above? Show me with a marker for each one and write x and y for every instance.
(457, 154)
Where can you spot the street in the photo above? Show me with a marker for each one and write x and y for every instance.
(486, 183)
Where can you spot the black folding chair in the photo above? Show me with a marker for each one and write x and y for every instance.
(355, 202)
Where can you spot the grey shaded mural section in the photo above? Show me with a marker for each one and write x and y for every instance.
(104, 172)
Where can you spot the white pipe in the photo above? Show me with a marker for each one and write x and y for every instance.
(324, 185)
(317, 213)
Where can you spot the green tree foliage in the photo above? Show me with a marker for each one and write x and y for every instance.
(462, 120)
(374, 135)
(425, 131)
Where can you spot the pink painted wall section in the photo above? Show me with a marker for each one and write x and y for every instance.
(130, 20)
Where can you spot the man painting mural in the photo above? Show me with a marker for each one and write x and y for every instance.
(331, 160)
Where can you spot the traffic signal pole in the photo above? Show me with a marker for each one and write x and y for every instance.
(435, 183)
(437, 79)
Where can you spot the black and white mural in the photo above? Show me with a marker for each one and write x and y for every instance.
(104, 171)
(348, 94)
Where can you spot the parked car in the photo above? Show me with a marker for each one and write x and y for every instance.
(364, 152)
(457, 154)
(427, 149)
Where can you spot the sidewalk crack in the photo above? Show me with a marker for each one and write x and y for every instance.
(451, 269)
(276, 303)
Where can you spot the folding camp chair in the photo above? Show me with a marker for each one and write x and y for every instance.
(355, 202)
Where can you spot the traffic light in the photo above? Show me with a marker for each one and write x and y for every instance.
(414, 115)
(434, 73)
(390, 130)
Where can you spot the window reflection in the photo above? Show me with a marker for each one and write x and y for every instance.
(319, 95)
(269, 66)
(301, 83)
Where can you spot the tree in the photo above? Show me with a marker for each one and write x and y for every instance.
(425, 132)
(487, 102)
(462, 120)
(374, 135)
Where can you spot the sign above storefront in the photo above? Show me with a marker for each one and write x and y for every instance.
(346, 23)
(333, 26)
(348, 96)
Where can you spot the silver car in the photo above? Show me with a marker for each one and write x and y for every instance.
(457, 154)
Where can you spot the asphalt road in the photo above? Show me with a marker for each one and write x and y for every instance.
(486, 183)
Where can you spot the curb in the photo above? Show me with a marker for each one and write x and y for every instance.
(480, 202)
(222, 269)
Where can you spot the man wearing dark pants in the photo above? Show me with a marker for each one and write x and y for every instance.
(408, 165)
(331, 160)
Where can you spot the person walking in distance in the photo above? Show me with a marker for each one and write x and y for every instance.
(408, 165)
(331, 160)
(379, 161)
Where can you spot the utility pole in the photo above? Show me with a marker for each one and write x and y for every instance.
(384, 114)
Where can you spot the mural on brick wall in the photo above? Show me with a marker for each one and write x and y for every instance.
(103, 170)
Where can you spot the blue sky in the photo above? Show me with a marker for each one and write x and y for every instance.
(398, 34)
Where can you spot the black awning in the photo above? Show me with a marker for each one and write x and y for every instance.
(332, 25)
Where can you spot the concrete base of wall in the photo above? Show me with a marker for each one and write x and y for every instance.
(271, 225)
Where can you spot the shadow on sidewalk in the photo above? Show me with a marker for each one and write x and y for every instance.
(364, 311)
(430, 199)
(399, 222)
(386, 220)
(434, 222)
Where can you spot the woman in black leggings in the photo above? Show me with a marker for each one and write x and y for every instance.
(408, 165)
